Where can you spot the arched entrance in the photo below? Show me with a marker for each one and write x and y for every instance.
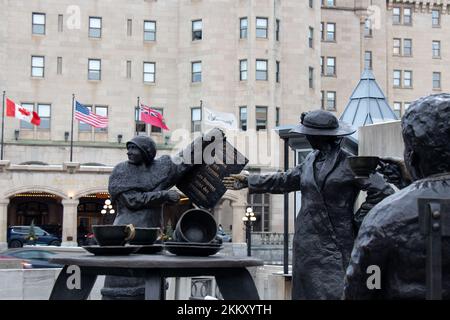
(89, 213)
(42, 208)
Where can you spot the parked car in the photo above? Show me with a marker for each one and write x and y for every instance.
(17, 237)
(86, 239)
(37, 258)
(223, 236)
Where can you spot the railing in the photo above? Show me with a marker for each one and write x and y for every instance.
(269, 247)
(270, 238)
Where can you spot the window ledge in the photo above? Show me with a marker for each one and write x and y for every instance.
(94, 81)
(330, 75)
(437, 57)
(438, 26)
(151, 84)
(437, 89)
(149, 41)
(262, 39)
(39, 35)
(329, 41)
(95, 38)
(37, 78)
(196, 84)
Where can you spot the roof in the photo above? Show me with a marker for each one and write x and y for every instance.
(367, 105)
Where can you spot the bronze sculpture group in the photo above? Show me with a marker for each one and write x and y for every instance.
(333, 246)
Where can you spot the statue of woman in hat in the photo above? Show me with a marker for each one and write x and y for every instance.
(326, 225)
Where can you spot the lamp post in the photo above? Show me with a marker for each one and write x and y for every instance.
(248, 220)
(108, 208)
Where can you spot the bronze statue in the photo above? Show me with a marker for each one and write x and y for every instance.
(326, 225)
(389, 237)
(139, 188)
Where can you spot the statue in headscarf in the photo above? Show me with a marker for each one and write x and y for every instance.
(139, 188)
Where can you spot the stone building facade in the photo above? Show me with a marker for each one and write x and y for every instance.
(265, 61)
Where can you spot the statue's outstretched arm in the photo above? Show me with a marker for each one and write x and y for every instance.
(136, 200)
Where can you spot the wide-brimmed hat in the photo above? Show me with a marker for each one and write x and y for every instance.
(322, 123)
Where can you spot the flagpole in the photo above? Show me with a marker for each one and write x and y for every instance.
(201, 115)
(71, 130)
(136, 114)
(3, 124)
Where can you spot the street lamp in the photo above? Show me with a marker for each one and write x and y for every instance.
(248, 220)
(108, 208)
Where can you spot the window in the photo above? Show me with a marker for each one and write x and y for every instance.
(277, 30)
(398, 109)
(435, 18)
(331, 32)
(38, 23)
(43, 111)
(24, 124)
(261, 69)
(407, 79)
(261, 27)
(436, 80)
(322, 100)
(407, 18)
(129, 27)
(243, 118)
(322, 72)
(396, 47)
(436, 49)
(128, 69)
(94, 69)
(368, 60)
(95, 27)
(329, 3)
(197, 30)
(331, 100)
(243, 28)
(101, 111)
(277, 73)
(37, 66)
(243, 70)
(397, 78)
(277, 116)
(311, 3)
(311, 37)
(322, 34)
(407, 104)
(82, 126)
(396, 15)
(311, 77)
(407, 47)
(196, 119)
(260, 204)
(59, 65)
(149, 72)
(261, 118)
(60, 23)
(150, 31)
(331, 66)
(368, 28)
(155, 129)
(196, 71)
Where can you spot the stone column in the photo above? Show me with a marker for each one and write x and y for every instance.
(3, 222)
(69, 227)
(239, 209)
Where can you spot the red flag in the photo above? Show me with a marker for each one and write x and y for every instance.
(153, 117)
(15, 110)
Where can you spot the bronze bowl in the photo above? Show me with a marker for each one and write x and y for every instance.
(363, 166)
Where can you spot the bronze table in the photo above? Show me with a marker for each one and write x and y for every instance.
(232, 277)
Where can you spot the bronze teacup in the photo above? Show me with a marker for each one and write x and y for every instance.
(113, 235)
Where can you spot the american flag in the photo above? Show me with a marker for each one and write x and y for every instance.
(83, 113)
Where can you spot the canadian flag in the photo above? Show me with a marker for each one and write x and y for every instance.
(16, 110)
